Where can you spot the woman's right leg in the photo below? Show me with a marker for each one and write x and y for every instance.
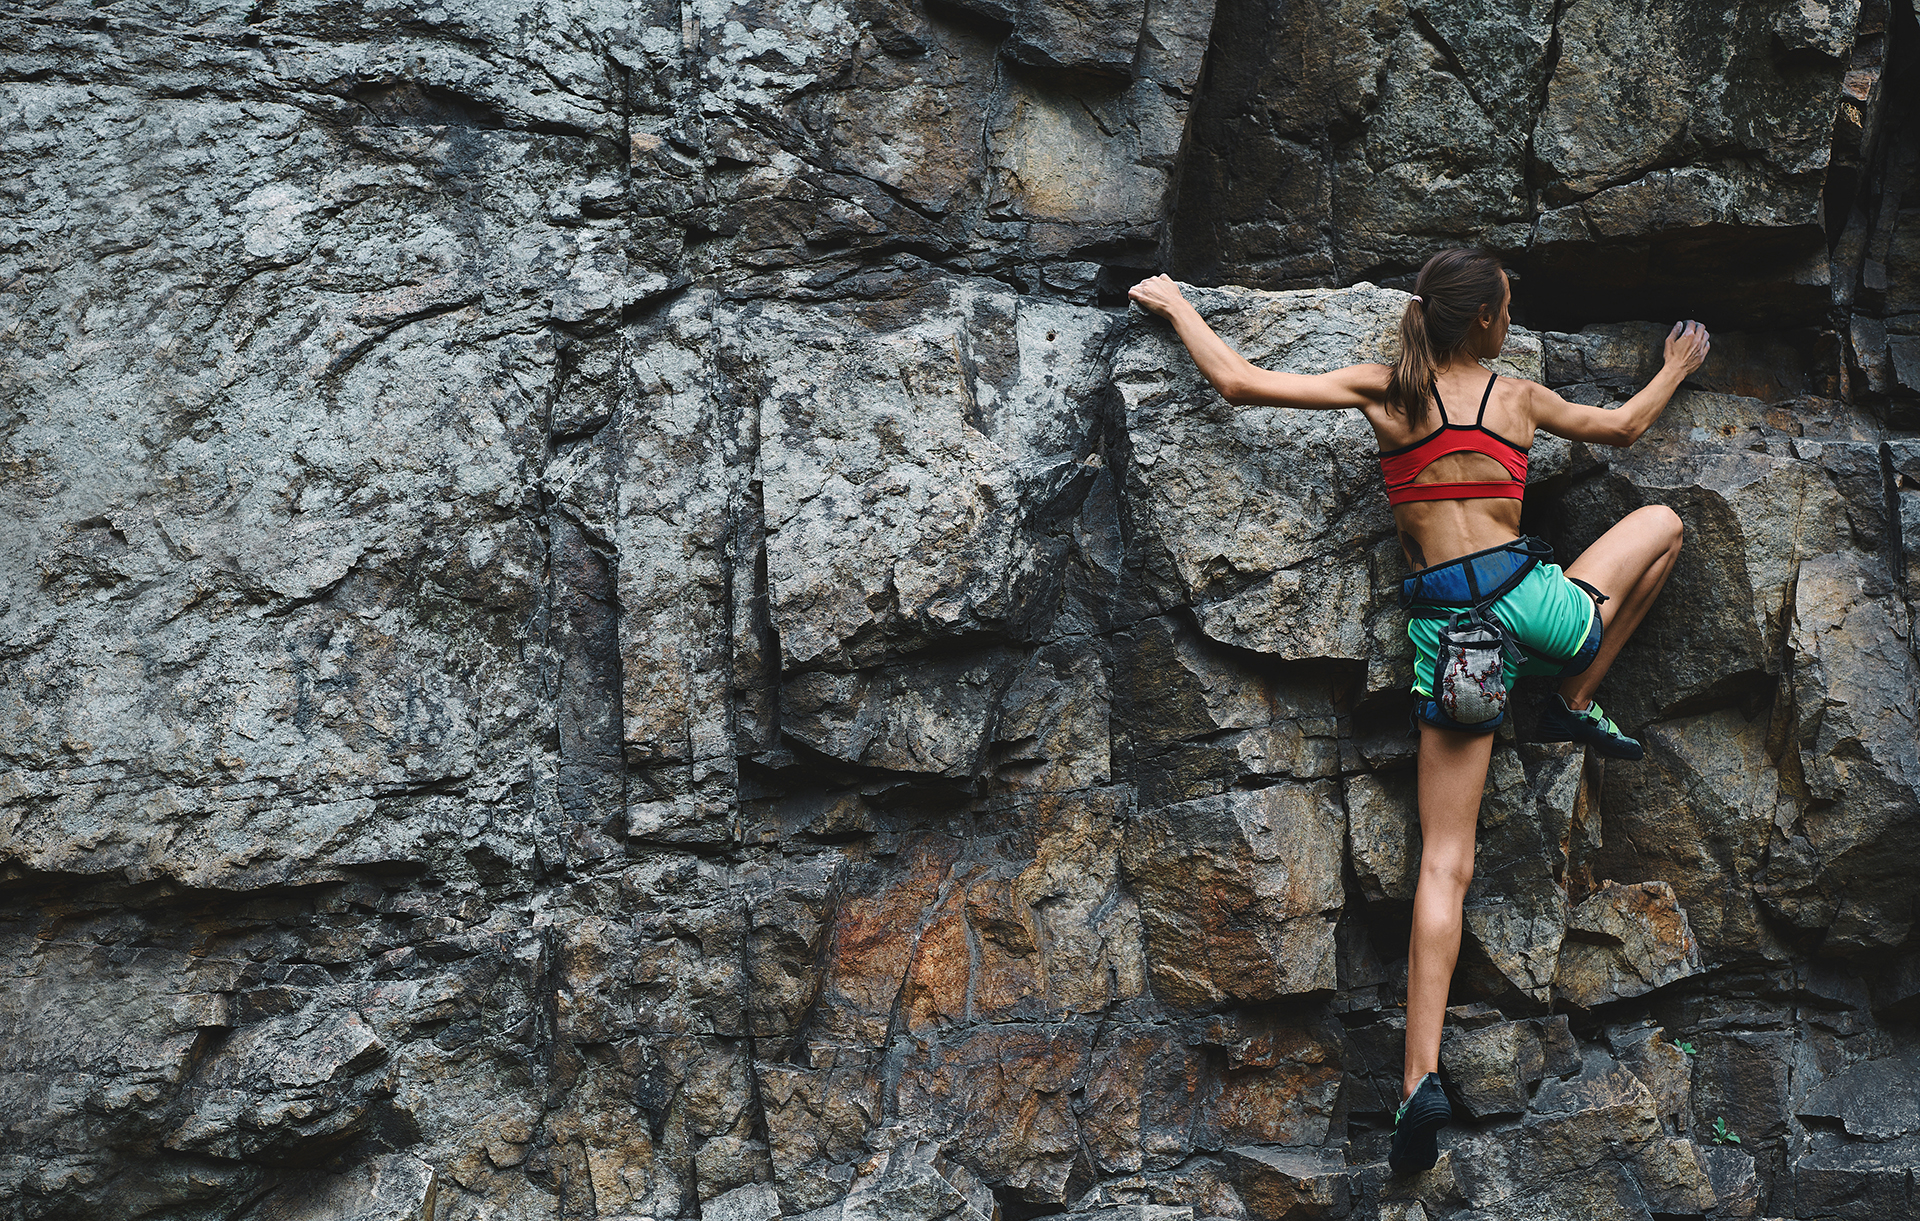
(1452, 777)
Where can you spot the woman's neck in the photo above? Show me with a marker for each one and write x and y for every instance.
(1460, 362)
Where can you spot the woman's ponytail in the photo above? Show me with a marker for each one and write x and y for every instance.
(1409, 384)
(1451, 291)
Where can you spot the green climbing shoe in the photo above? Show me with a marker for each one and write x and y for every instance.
(1589, 727)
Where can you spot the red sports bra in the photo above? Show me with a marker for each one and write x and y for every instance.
(1402, 466)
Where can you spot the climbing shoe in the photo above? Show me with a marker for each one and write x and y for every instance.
(1589, 727)
(1416, 1127)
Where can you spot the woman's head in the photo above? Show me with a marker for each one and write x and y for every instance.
(1460, 305)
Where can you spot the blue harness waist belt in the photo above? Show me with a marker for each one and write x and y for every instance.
(1477, 580)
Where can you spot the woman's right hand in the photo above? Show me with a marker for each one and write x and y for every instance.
(1687, 346)
(1157, 294)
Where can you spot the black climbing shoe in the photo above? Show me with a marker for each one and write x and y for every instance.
(1416, 1127)
(1589, 727)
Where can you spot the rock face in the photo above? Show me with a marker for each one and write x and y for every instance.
(607, 615)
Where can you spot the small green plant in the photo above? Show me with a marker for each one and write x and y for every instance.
(1687, 1047)
(1721, 1134)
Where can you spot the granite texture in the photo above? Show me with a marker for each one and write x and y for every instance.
(605, 613)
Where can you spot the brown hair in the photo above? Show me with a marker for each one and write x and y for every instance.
(1452, 289)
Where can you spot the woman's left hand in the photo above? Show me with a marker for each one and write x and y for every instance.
(1157, 294)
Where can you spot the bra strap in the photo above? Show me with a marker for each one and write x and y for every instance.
(1480, 420)
(1442, 406)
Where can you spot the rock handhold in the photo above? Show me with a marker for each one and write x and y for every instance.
(1223, 497)
(1624, 356)
(1625, 941)
(1591, 1146)
(1752, 512)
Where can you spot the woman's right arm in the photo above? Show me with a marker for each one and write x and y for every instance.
(1687, 346)
(1243, 383)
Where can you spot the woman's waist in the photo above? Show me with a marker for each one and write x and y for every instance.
(1438, 532)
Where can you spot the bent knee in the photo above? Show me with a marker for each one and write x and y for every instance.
(1664, 523)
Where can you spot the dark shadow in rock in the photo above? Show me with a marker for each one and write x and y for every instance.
(1726, 277)
(420, 105)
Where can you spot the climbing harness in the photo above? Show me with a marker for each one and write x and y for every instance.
(1469, 684)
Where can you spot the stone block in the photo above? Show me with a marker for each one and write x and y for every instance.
(1237, 893)
(1491, 1070)
(1673, 1178)
(1622, 357)
(1291, 1183)
(1625, 940)
(818, 1123)
(908, 1185)
(1872, 1100)
(1698, 814)
(1751, 514)
(1850, 1180)
(1610, 117)
(1516, 907)
(1737, 1190)
(873, 549)
(1903, 353)
(753, 1202)
(1861, 794)
(961, 1089)
(929, 719)
(1383, 834)
(1661, 1065)
(396, 1187)
(1225, 498)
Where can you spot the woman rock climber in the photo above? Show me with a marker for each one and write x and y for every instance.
(1484, 604)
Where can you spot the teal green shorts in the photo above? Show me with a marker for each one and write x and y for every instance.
(1557, 624)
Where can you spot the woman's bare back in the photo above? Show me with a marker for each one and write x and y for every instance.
(1435, 531)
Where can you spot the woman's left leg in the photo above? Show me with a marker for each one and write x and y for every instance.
(1452, 777)
(1629, 564)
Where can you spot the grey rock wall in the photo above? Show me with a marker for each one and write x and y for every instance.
(607, 615)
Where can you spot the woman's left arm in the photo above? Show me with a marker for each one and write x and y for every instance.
(1243, 383)
(1687, 347)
